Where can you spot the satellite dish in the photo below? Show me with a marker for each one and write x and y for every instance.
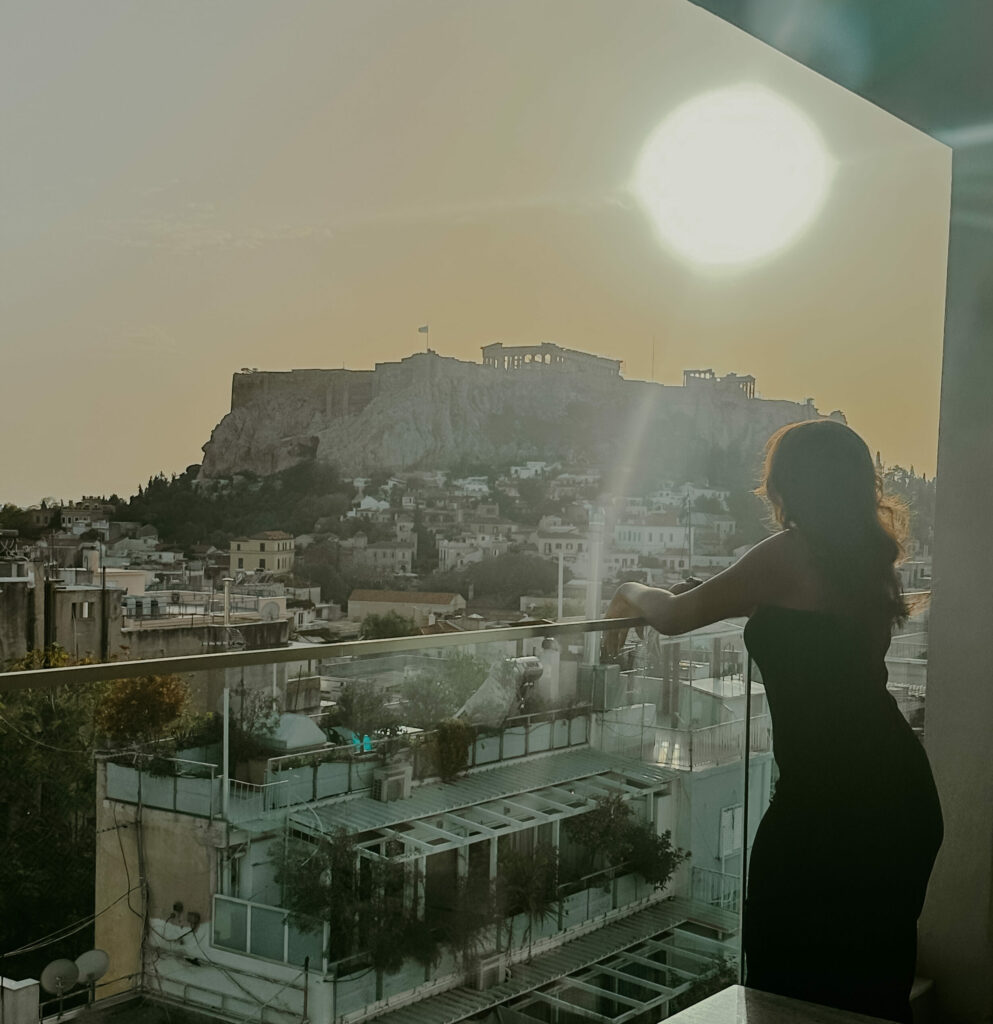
(59, 976)
(269, 611)
(92, 965)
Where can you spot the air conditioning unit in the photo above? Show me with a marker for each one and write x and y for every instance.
(488, 972)
(392, 782)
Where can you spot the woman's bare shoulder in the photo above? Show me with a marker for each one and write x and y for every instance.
(786, 557)
(779, 550)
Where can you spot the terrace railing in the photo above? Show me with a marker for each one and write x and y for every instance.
(712, 745)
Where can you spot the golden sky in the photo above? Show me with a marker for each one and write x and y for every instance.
(188, 188)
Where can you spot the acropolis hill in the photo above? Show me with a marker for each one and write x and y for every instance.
(527, 402)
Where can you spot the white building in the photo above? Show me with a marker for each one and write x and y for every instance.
(655, 534)
(472, 486)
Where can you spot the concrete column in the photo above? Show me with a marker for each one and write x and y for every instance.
(956, 936)
(493, 858)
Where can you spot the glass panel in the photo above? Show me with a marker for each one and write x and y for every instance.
(304, 943)
(268, 933)
(193, 796)
(230, 924)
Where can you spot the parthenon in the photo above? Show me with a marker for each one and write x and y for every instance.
(546, 354)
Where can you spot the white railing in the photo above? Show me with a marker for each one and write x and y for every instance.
(718, 744)
(716, 888)
(247, 800)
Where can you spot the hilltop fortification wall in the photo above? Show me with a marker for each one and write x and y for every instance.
(431, 410)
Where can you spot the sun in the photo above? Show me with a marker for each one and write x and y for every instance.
(732, 177)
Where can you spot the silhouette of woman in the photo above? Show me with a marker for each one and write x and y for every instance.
(841, 858)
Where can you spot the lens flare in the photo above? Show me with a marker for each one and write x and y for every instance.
(732, 177)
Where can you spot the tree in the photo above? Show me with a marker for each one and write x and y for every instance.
(320, 883)
(363, 900)
(467, 926)
(141, 709)
(613, 839)
(918, 494)
(426, 700)
(378, 627)
(437, 693)
(362, 708)
(526, 885)
(722, 972)
(13, 517)
(453, 739)
(252, 725)
(708, 503)
(504, 580)
(47, 814)
(751, 516)
(427, 545)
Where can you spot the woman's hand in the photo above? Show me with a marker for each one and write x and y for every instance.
(634, 601)
(620, 607)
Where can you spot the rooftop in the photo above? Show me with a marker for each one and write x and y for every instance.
(403, 596)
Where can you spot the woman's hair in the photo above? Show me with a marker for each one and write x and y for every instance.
(819, 477)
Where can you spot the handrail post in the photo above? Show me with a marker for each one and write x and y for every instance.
(226, 756)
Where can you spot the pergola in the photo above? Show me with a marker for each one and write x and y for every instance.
(624, 987)
(485, 805)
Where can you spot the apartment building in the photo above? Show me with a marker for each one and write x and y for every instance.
(271, 551)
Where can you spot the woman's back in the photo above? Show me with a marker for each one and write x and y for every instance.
(838, 734)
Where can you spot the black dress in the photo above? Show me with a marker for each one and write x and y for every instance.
(841, 859)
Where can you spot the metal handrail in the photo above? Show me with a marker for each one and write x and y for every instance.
(49, 678)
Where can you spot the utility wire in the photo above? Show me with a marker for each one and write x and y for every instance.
(64, 933)
(40, 743)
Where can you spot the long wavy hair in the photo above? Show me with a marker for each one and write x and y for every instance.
(820, 480)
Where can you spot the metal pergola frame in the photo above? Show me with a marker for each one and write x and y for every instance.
(494, 817)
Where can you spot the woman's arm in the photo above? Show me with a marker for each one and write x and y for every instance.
(761, 576)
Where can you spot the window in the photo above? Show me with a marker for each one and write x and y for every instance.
(262, 546)
(241, 563)
(237, 547)
(262, 563)
(732, 820)
(81, 609)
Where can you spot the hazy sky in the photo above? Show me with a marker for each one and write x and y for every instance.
(188, 188)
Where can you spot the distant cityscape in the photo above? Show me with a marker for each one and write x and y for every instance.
(403, 835)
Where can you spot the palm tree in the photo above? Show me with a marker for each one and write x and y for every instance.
(527, 886)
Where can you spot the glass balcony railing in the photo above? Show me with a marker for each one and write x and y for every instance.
(399, 819)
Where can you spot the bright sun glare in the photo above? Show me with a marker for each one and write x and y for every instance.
(732, 176)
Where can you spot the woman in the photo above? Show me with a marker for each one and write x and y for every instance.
(841, 858)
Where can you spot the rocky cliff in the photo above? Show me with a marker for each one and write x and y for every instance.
(429, 410)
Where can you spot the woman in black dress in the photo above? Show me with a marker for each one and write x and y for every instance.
(841, 860)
